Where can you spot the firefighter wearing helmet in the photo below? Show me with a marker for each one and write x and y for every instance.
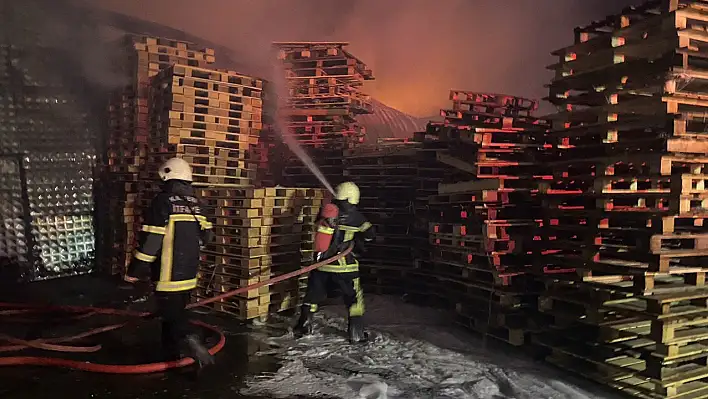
(169, 242)
(340, 224)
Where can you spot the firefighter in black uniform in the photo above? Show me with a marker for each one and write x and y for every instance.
(170, 239)
(351, 226)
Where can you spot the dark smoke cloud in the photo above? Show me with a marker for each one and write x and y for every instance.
(62, 46)
(82, 50)
(418, 49)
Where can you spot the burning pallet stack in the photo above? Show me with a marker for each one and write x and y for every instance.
(481, 231)
(261, 233)
(385, 173)
(129, 130)
(324, 96)
(627, 208)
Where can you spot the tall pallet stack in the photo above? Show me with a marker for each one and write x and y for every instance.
(481, 231)
(211, 119)
(127, 147)
(386, 175)
(431, 173)
(324, 97)
(627, 207)
(261, 233)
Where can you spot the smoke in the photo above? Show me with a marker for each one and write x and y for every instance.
(60, 45)
(81, 52)
(279, 91)
(418, 49)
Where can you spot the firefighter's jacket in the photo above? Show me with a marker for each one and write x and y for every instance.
(351, 226)
(170, 238)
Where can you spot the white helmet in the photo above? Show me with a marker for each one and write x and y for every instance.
(175, 169)
(349, 192)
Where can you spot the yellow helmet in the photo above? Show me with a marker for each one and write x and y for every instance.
(175, 169)
(347, 191)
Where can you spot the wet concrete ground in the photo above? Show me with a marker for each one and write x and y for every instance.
(237, 362)
(134, 344)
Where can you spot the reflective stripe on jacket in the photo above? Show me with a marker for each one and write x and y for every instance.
(350, 223)
(170, 239)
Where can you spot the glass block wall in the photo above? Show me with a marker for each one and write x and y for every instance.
(47, 123)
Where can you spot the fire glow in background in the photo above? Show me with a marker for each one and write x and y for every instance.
(418, 49)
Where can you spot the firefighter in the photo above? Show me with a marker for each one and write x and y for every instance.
(171, 236)
(342, 229)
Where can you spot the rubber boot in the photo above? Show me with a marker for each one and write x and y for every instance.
(198, 352)
(357, 335)
(171, 345)
(305, 325)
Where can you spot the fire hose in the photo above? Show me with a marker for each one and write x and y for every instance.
(55, 344)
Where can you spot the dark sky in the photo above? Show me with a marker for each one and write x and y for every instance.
(418, 49)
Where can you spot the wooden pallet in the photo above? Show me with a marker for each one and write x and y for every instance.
(476, 242)
(512, 336)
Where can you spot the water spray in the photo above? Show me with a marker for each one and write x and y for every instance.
(280, 92)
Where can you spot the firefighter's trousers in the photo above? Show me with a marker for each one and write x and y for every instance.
(319, 283)
(171, 306)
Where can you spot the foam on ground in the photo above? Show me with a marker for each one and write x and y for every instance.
(415, 353)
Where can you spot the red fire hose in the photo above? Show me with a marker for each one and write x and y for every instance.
(54, 344)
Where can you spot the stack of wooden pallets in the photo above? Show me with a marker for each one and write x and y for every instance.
(386, 175)
(627, 207)
(127, 146)
(324, 97)
(267, 156)
(212, 119)
(209, 118)
(261, 233)
(481, 230)
(431, 173)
